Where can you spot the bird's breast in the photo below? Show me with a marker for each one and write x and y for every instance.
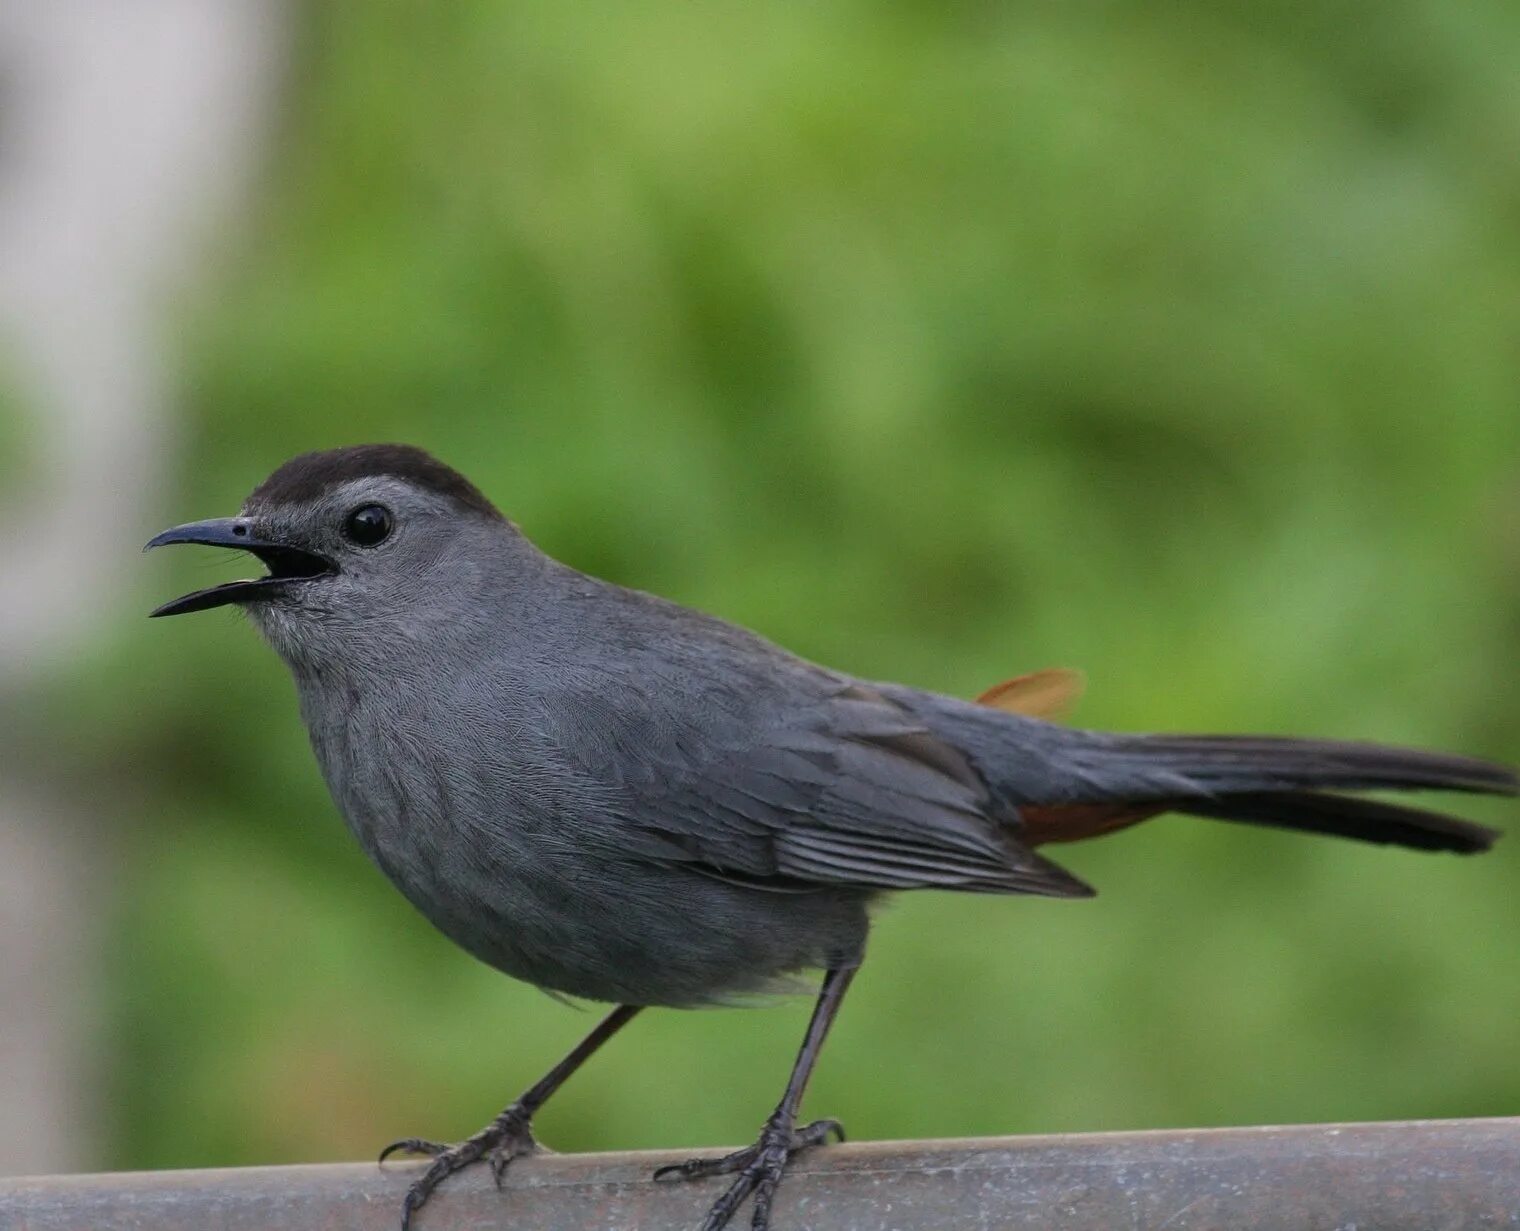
(492, 838)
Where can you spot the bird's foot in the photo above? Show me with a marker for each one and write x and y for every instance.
(760, 1168)
(507, 1137)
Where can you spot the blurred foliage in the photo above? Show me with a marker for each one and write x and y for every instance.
(939, 343)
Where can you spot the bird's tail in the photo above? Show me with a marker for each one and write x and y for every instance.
(1366, 820)
(1256, 780)
(1278, 782)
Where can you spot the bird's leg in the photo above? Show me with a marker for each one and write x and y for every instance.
(761, 1165)
(508, 1136)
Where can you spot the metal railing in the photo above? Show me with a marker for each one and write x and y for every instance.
(1448, 1175)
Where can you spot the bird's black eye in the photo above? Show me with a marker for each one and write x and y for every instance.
(368, 525)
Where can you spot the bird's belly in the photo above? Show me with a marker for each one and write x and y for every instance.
(525, 881)
(586, 925)
(647, 935)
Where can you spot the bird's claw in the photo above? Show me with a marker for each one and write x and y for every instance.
(760, 1169)
(413, 1145)
(507, 1137)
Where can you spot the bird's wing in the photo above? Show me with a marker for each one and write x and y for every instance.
(845, 789)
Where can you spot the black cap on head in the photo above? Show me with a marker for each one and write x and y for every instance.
(305, 478)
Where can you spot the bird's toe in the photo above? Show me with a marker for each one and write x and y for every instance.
(760, 1168)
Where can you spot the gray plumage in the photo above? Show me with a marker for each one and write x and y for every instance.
(615, 797)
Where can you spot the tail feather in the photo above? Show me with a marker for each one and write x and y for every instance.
(1287, 783)
(1366, 820)
(1234, 764)
(1104, 782)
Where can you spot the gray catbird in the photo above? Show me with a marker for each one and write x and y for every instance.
(617, 798)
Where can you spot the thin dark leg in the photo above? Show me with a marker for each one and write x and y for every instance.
(761, 1165)
(830, 997)
(560, 1073)
(508, 1136)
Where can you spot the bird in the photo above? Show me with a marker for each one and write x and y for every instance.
(617, 798)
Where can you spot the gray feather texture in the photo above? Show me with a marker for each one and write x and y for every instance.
(615, 797)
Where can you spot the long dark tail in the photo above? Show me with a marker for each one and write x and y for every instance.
(1283, 783)
(1366, 820)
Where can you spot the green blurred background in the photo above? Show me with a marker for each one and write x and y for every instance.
(935, 342)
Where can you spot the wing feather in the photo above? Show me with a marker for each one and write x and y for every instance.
(849, 791)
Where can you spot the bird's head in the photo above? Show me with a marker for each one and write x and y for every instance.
(360, 541)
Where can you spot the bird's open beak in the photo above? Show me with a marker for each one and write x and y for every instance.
(286, 564)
